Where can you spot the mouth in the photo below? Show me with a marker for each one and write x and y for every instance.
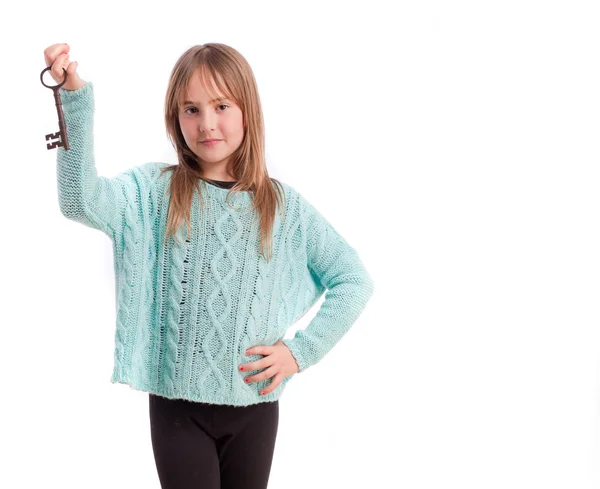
(211, 142)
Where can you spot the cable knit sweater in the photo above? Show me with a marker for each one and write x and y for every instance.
(187, 311)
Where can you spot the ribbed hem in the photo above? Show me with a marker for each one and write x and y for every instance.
(196, 396)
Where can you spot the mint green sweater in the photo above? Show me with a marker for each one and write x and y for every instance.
(186, 312)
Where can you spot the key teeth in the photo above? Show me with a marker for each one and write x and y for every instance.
(54, 144)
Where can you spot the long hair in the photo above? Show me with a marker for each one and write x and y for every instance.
(230, 72)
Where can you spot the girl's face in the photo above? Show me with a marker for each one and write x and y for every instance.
(201, 118)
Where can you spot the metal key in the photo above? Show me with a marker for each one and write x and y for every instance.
(61, 135)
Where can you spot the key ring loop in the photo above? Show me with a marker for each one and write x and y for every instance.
(55, 86)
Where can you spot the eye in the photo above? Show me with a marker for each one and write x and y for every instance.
(194, 108)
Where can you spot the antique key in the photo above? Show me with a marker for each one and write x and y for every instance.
(61, 135)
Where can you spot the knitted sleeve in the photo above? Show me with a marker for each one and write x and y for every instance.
(83, 196)
(339, 269)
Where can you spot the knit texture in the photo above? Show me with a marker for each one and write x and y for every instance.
(187, 311)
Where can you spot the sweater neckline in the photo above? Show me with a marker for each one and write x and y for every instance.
(222, 183)
(220, 193)
(210, 180)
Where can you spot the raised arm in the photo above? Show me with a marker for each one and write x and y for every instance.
(340, 270)
(83, 196)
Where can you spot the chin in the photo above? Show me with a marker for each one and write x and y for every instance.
(212, 158)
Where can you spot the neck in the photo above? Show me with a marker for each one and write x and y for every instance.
(220, 179)
(218, 176)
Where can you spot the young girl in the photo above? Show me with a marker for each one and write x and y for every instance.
(201, 314)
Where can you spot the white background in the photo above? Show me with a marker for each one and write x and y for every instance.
(453, 144)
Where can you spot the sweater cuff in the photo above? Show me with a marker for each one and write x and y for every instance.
(74, 99)
(293, 347)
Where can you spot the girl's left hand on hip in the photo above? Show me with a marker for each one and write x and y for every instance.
(278, 362)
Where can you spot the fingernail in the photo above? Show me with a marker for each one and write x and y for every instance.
(241, 368)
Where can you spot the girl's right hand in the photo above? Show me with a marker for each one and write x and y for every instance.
(57, 56)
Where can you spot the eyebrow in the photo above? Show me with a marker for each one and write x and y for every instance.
(218, 99)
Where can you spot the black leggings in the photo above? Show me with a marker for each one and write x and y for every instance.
(212, 446)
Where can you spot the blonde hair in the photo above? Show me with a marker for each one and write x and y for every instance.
(232, 75)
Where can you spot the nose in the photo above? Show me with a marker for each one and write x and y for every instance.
(206, 122)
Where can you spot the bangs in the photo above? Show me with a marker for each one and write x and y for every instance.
(210, 81)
